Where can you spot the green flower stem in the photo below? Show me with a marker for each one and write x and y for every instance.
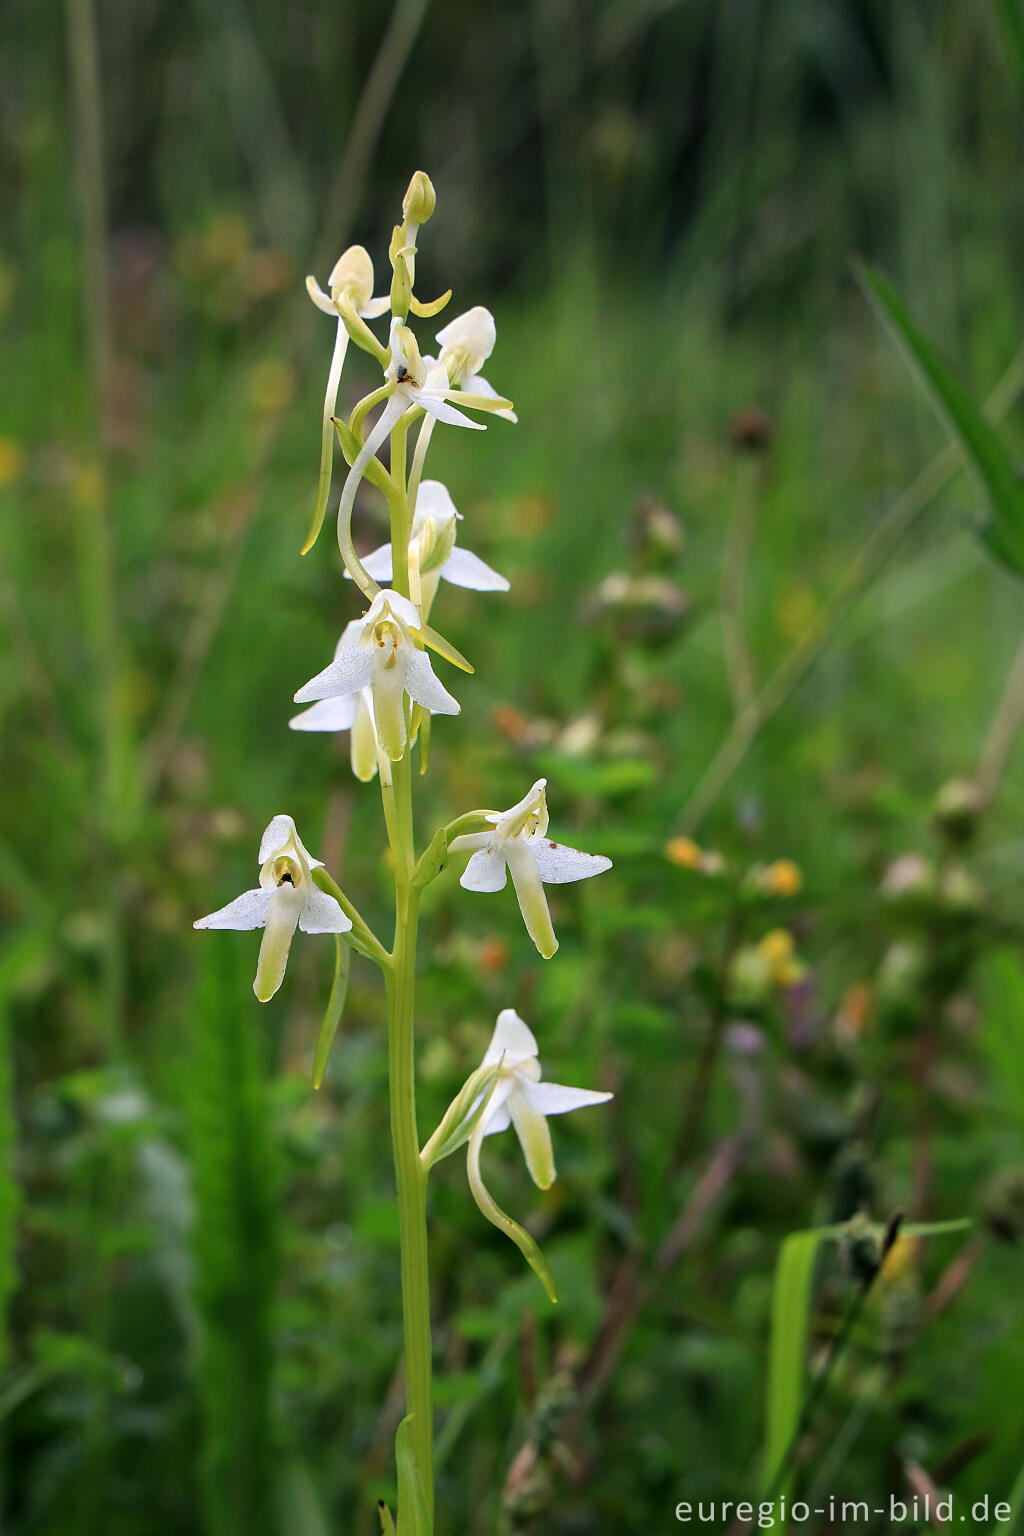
(410, 1175)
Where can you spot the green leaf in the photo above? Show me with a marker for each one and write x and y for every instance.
(1009, 18)
(335, 1005)
(787, 1355)
(413, 1516)
(1003, 531)
(1001, 1036)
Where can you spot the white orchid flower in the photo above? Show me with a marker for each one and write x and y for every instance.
(379, 653)
(286, 898)
(519, 846)
(348, 712)
(350, 300)
(517, 1096)
(350, 282)
(466, 343)
(520, 1099)
(432, 551)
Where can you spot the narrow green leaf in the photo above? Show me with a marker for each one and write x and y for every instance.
(787, 1355)
(1003, 530)
(1001, 1035)
(413, 1517)
(335, 1005)
(1009, 16)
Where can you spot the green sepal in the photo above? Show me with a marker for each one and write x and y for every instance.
(335, 1007)
(460, 1118)
(481, 402)
(413, 1515)
(351, 447)
(426, 311)
(444, 648)
(432, 861)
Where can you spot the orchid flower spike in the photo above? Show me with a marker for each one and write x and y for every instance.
(466, 343)
(350, 301)
(286, 898)
(517, 1097)
(378, 652)
(432, 551)
(519, 845)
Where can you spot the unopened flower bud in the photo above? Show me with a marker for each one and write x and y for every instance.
(959, 891)
(957, 807)
(420, 199)
(909, 881)
(750, 977)
(860, 1248)
(900, 984)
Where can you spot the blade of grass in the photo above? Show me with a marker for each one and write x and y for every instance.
(787, 1354)
(993, 465)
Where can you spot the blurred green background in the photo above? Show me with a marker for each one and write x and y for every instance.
(747, 609)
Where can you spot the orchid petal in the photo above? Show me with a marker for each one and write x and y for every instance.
(559, 865)
(476, 384)
(377, 564)
(464, 569)
(473, 332)
(500, 1121)
(322, 914)
(434, 500)
(486, 871)
(336, 714)
(534, 1138)
(283, 911)
(446, 413)
(556, 1099)
(423, 685)
(388, 689)
(512, 1039)
(346, 674)
(530, 892)
(320, 299)
(376, 307)
(244, 913)
(278, 831)
(363, 743)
